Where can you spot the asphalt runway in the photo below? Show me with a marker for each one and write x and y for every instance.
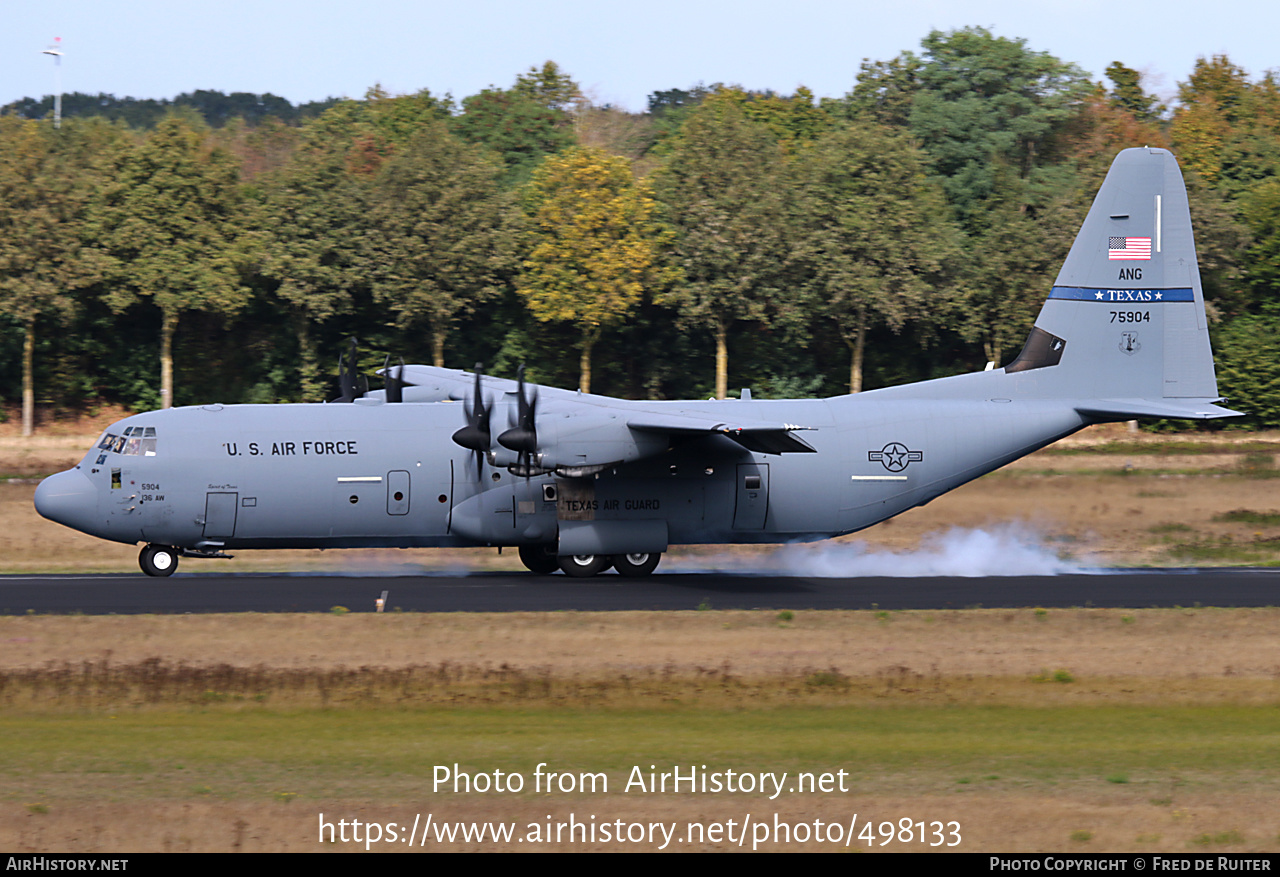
(502, 592)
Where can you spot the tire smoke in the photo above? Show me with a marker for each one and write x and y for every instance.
(1005, 550)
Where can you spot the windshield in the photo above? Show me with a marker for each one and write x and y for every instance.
(135, 441)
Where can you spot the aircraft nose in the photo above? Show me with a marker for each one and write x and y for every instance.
(68, 498)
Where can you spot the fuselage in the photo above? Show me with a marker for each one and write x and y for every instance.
(373, 474)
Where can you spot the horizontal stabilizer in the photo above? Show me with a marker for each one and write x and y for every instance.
(1131, 409)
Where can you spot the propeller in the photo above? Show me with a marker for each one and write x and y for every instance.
(350, 382)
(395, 382)
(523, 436)
(475, 435)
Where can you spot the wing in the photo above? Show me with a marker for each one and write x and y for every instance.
(761, 437)
(578, 434)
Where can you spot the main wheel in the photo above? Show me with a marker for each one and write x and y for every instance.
(583, 566)
(636, 565)
(539, 558)
(158, 560)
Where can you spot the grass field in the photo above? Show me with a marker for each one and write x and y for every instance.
(1034, 730)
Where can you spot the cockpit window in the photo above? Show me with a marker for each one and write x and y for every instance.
(137, 441)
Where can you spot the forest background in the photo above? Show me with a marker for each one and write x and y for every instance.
(219, 247)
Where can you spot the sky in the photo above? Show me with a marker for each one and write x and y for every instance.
(306, 50)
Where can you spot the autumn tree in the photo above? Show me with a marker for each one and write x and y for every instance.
(594, 245)
(1226, 127)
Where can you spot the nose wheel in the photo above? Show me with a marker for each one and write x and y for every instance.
(158, 560)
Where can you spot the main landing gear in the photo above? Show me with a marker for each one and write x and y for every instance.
(635, 565)
(584, 566)
(542, 560)
(158, 560)
(539, 558)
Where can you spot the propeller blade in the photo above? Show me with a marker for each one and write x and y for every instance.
(523, 437)
(348, 386)
(475, 435)
(395, 382)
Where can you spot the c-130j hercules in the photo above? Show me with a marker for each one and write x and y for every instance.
(582, 482)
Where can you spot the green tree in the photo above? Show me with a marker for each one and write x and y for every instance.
(398, 118)
(306, 227)
(548, 86)
(525, 123)
(595, 245)
(168, 224)
(721, 190)
(1261, 213)
(45, 183)
(1127, 93)
(1248, 370)
(987, 105)
(875, 239)
(997, 120)
(440, 239)
(885, 91)
(795, 121)
(1011, 267)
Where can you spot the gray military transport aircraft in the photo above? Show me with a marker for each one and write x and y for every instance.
(581, 482)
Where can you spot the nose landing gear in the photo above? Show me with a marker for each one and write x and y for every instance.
(158, 560)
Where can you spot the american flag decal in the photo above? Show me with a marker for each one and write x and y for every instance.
(1128, 248)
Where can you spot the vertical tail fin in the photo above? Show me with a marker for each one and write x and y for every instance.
(1124, 328)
